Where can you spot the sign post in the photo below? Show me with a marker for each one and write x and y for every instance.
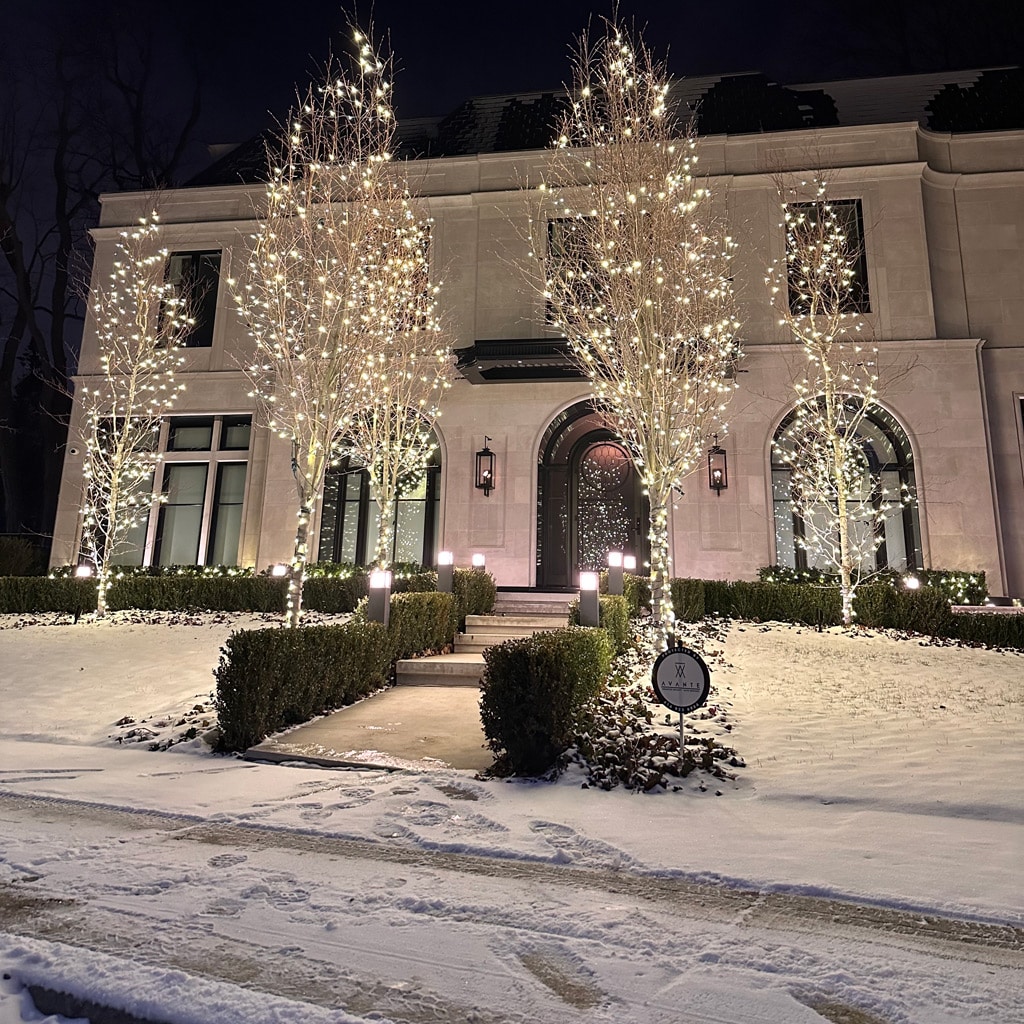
(682, 682)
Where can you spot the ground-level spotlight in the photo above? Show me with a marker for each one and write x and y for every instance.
(615, 573)
(445, 571)
(378, 607)
(590, 608)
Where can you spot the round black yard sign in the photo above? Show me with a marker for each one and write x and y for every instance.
(681, 679)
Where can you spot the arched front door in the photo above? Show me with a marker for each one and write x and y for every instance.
(590, 499)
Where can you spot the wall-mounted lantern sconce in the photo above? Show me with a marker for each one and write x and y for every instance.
(718, 469)
(629, 563)
(479, 562)
(445, 571)
(615, 573)
(378, 607)
(485, 468)
(590, 609)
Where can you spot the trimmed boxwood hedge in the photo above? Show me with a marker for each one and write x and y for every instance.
(877, 605)
(534, 689)
(269, 679)
(613, 617)
(214, 588)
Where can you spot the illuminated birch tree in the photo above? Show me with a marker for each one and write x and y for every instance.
(140, 322)
(636, 268)
(334, 293)
(818, 293)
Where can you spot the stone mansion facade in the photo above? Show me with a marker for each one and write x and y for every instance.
(942, 217)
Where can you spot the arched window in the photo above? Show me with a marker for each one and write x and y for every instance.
(350, 517)
(892, 541)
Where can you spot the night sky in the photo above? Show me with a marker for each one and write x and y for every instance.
(250, 53)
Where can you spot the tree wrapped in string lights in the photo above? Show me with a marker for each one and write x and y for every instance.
(819, 294)
(141, 321)
(336, 297)
(636, 272)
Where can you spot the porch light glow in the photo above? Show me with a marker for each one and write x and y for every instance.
(445, 558)
(615, 559)
(629, 563)
(589, 581)
(479, 561)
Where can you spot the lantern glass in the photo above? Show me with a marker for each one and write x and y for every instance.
(485, 470)
(614, 559)
(718, 469)
(479, 561)
(629, 563)
(445, 558)
(589, 581)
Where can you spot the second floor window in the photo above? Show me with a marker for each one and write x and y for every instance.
(822, 238)
(197, 275)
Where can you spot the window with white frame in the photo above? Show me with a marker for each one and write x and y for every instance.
(202, 472)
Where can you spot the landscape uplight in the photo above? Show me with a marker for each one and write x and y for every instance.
(615, 573)
(445, 571)
(590, 610)
(378, 607)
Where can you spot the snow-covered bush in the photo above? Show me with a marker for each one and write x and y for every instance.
(534, 690)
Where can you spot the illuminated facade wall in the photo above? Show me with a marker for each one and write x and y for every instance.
(944, 238)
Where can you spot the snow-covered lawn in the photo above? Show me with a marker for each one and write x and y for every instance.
(882, 772)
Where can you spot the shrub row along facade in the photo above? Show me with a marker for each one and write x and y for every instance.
(941, 221)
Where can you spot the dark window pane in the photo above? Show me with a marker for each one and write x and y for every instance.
(190, 435)
(181, 517)
(196, 275)
(235, 433)
(227, 514)
(811, 225)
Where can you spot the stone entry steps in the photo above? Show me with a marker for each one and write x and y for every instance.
(466, 666)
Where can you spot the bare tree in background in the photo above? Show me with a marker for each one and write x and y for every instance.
(80, 113)
(636, 267)
(335, 295)
(140, 325)
(819, 293)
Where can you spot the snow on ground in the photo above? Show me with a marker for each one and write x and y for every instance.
(881, 770)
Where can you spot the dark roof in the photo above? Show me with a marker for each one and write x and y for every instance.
(720, 104)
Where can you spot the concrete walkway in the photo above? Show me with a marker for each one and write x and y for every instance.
(417, 728)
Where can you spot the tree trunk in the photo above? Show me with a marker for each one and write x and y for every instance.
(102, 586)
(386, 532)
(297, 573)
(661, 573)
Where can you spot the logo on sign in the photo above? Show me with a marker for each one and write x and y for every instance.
(681, 679)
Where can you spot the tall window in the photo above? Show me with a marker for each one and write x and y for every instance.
(837, 222)
(202, 473)
(892, 543)
(350, 517)
(573, 280)
(197, 275)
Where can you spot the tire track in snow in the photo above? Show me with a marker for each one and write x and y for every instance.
(999, 944)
